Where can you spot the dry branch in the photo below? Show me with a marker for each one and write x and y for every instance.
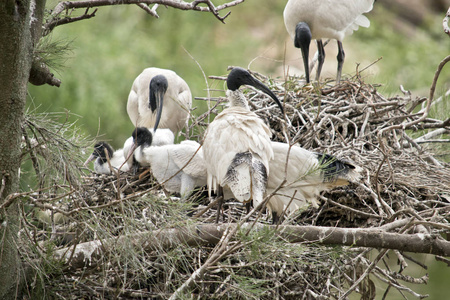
(87, 254)
(86, 4)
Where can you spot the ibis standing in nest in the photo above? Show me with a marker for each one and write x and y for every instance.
(237, 146)
(307, 174)
(105, 156)
(318, 19)
(159, 96)
(178, 167)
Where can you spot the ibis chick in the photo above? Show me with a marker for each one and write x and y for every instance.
(180, 168)
(104, 152)
(160, 137)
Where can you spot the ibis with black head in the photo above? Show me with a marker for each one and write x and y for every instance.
(307, 175)
(308, 20)
(160, 137)
(159, 98)
(236, 145)
(104, 156)
(178, 167)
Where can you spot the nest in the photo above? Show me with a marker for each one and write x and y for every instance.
(402, 182)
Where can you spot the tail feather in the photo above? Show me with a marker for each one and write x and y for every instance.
(246, 177)
(238, 176)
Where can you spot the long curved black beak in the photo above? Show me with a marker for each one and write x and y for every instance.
(157, 90)
(240, 76)
(160, 100)
(132, 149)
(302, 40)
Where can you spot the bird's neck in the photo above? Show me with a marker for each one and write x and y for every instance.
(236, 98)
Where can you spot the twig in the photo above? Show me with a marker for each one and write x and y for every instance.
(150, 11)
(424, 111)
(67, 5)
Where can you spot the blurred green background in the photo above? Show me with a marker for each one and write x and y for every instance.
(111, 49)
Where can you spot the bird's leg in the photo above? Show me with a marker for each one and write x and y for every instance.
(248, 206)
(340, 58)
(219, 203)
(275, 218)
(320, 58)
(143, 174)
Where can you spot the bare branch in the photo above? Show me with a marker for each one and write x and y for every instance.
(49, 26)
(87, 254)
(150, 11)
(62, 6)
(424, 111)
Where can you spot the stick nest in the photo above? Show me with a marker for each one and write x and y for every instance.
(403, 186)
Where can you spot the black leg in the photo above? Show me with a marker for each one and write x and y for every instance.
(248, 206)
(275, 218)
(340, 58)
(320, 58)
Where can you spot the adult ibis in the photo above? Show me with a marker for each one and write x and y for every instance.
(236, 145)
(319, 19)
(159, 98)
(307, 174)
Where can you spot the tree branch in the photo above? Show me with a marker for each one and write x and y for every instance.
(49, 26)
(40, 74)
(194, 5)
(424, 111)
(90, 253)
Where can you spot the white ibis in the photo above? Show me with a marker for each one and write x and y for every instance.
(307, 174)
(179, 167)
(237, 146)
(160, 137)
(104, 152)
(318, 19)
(159, 96)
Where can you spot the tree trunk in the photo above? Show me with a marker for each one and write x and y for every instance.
(16, 54)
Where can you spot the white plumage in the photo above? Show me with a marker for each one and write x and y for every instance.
(178, 167)
(160, 137)
(237, 146)
(318, 19)
(159, 94)
(307, 175)
(104, 152)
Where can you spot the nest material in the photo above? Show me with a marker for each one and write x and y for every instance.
(402, 181)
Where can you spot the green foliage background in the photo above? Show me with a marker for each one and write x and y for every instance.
(110, 50)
